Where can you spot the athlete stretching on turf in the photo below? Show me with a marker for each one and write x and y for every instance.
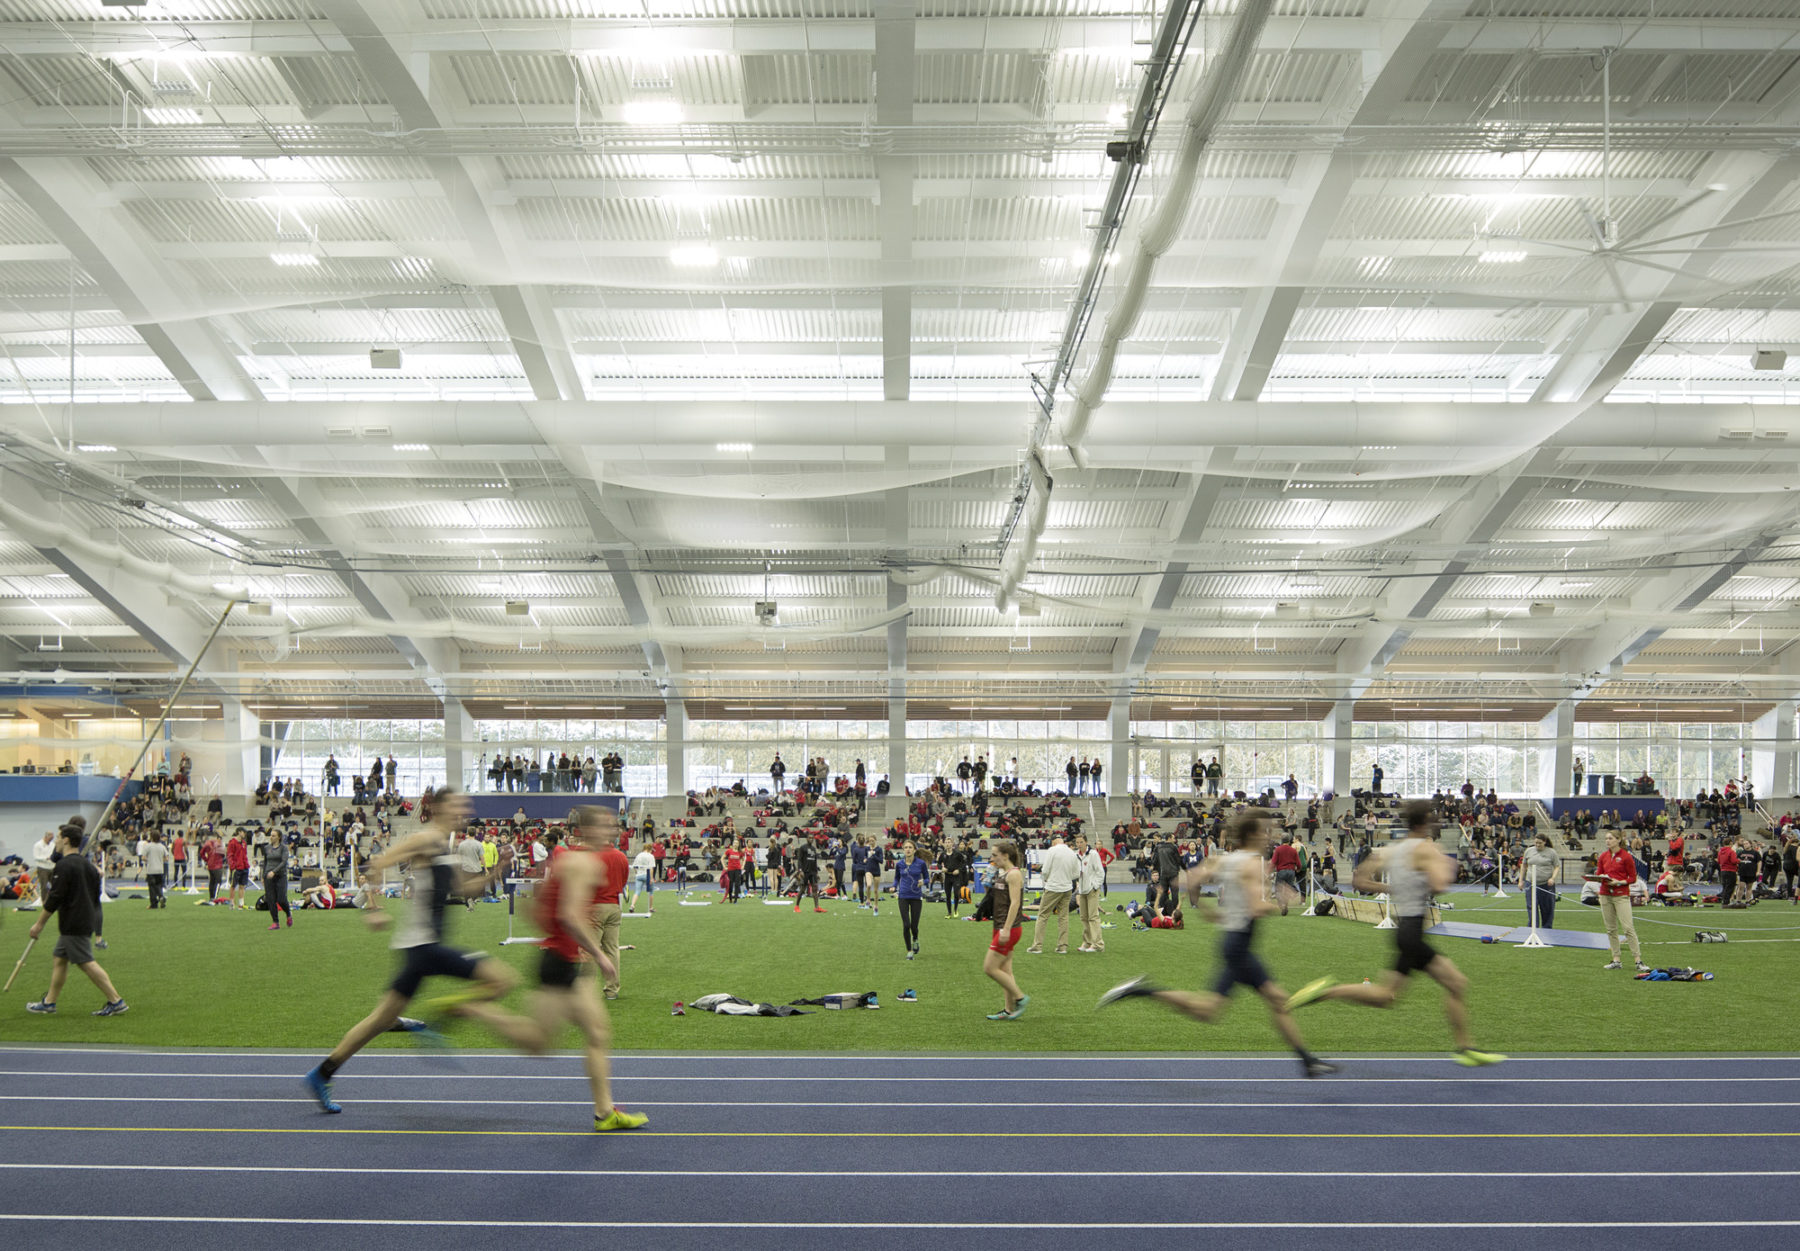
(1242, 900)
(1416, 870)
(565, 904)
(419, 938)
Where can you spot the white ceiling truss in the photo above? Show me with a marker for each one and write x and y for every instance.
(1448, 383)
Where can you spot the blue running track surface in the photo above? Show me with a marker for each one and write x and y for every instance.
(210, 1151)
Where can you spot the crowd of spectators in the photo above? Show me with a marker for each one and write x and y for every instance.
(558, 772)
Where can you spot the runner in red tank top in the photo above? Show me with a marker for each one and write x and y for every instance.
(574, 880)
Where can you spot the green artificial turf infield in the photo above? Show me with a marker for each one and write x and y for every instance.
(208, 977)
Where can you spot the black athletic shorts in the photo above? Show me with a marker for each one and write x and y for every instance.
(1413, 952)
(432, 960)
(240, 877)
(1238, 964)
(556, 973)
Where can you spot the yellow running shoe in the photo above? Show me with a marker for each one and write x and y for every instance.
(447, 1005)
(619, 1119)
(1308, 993)
(1470, 1058)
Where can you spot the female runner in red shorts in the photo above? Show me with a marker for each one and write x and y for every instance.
(1009, 894)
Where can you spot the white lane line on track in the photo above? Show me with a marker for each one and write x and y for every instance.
(908, 1080)
(880, 1226)
(853, 1057)
(337, 1170)
(1262, 1104)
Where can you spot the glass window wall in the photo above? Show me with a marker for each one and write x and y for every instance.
(639, 741)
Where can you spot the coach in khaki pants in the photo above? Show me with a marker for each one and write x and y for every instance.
(1087, 892)
(1060, 869)
(607, 910)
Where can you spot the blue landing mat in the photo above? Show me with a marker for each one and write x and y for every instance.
(1516, 934)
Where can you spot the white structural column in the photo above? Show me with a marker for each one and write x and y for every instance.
(459, 735)
(896, 757)
(675, 744)
(1118, 726)
(1336, 757)
(241, 731)
(895, 39)
(1772, 752)
(1560, 727)
(899, 526)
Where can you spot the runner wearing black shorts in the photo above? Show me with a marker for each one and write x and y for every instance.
(1415, 871)
(419, 937)
(1242, 900)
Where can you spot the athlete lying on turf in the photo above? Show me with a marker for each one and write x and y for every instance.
(1241, 878)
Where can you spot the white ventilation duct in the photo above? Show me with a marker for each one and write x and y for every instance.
(44, 533)
(1216, 92)
(627, 433)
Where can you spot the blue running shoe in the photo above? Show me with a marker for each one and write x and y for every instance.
(321, 1090)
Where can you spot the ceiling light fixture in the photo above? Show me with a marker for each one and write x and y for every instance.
(294, 259)
(652, 113)
(734, 447)
(95, 447)
(1501, 258)
(695, 256)
(412, 447)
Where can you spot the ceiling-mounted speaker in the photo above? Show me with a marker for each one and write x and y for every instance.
(517, 608)
(1542, 608)
(1768, 358)
(384, 358)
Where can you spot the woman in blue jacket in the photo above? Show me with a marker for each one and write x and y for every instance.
(911, 874)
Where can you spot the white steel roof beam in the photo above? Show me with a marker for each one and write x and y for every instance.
(414, 32)
(470, 184)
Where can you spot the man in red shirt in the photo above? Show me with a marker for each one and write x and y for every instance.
(734, 866)
(1617, 871)
(1677, 853)
(237, 859)
(1285, 861)
(214, 860)
(616, 871)
(1728, 874)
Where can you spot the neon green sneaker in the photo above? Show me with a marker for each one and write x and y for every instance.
(1470, 1058)
(1309, 993)
(446, 1005)
(619, 1119)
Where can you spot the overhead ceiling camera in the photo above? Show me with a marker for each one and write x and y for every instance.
(766, 611)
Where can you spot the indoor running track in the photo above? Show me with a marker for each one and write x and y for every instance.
(214, 1150)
